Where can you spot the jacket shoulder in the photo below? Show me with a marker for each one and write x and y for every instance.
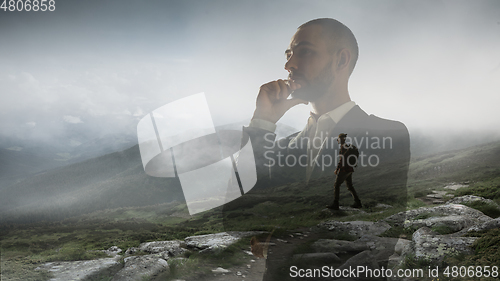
(360, 119)
(386, 124)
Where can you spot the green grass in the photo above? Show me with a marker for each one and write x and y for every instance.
(423, 216)
(198, 265)
(488, 209)
(80, 238)
(443, 229)
(19, 268)
(486, 253)
(190, 267)
(288, 207)
(487, 248)
(489, 189)
(414, 204)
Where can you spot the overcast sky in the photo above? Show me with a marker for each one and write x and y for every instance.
(102, 65)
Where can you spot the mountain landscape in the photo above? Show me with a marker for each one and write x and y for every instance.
(47, 187)
(21, 158)
(68, 212)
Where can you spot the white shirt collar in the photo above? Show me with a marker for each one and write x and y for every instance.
(338, 113)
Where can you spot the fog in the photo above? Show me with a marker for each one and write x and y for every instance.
(92, 68)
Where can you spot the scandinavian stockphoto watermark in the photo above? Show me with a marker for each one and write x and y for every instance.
(276, 155)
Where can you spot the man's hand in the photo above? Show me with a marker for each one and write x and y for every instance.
(273, 102)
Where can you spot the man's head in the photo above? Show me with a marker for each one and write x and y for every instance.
(341, 138)
(322, 52)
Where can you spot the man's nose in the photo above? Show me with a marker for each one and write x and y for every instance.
(290, 64)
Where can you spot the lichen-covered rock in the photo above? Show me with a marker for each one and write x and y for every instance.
(383, 206)
(338, 246)
(113, 251)
(452, 223)
(220, 270)
(495, 223)
(455, 186)
(366, 242)
(132, 251)
(471, 198)
(141, 267)
(466, 214)
(217, 240)
(356, 228)
(82, 270)
(429, 245)
(174, 247)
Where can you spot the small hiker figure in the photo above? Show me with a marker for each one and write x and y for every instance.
(348, 158)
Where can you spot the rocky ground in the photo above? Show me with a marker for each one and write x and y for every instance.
(334, 243)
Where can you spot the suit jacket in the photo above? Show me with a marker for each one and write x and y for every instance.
(384, 147)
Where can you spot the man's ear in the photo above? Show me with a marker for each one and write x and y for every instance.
(344, 58)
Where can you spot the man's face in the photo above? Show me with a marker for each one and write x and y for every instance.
(309, 63)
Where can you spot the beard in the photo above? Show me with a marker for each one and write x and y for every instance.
(318, 87)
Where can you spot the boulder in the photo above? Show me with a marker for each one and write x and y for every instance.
(220, 270)
(424, 216)
(356, 228)
(82, 270)
(455, 186)
(383, 206)
(495, 223)
(429, 245)
(452, 223)
(113, 251)
(338, 246)
(366, 242)
(217, 240)
(148, 267)
(174, 247)
(471, 198)
(132, 251)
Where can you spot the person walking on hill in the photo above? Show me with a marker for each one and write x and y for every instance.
(344, 173)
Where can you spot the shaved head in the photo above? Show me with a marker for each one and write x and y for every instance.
(338, 37)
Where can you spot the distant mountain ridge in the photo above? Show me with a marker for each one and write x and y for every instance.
(118, 180)
(27, 159)
(20, 158)
(109, 181)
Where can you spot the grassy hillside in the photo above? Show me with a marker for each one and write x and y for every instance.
(15, 164)
(477, 166)
(107, 182)
(111, 181)
(279, 209)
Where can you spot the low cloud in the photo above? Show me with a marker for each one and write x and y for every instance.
(72, 119)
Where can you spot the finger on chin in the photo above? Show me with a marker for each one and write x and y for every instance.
(284, 89)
